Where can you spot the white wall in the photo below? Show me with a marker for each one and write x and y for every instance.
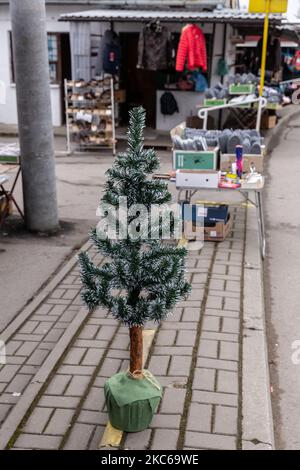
(8, 112)
(187, 102)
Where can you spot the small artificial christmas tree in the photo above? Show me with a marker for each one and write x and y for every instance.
(143, 278)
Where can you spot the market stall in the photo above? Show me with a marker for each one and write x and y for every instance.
(222, 161)
(170, 62)
(152, 47)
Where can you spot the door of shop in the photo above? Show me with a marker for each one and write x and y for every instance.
(65, 68)
(140, 84)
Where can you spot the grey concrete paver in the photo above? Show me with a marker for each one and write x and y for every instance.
(195, 356)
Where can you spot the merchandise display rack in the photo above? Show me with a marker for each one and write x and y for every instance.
(234, 91)
(261, 104)
(90, 114)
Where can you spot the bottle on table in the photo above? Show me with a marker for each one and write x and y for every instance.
(239, 150)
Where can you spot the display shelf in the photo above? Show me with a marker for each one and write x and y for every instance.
(90, 116)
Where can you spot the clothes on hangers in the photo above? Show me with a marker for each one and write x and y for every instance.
(153, 47)
(111, 52)
(168, 104)
(192, 49)
(222, 67)
(273, 53)
(109, 55)
(251, 61)
(173, 46)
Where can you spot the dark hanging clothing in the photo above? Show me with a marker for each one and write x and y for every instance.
(273, 54)
(168, 104)
(109, 54)
(153, 48)
(251, 61)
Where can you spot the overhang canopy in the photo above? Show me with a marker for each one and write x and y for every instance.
(216, 16)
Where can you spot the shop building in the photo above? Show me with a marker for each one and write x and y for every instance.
(74, 40)
(59, 56)
(59, 45)
(220, 26)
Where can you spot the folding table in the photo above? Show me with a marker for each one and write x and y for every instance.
(246, 191)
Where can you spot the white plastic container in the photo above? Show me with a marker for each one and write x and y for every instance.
(197, 179)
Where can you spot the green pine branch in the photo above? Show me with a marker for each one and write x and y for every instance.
(143, 279)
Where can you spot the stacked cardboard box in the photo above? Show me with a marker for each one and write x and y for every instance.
(208, 222)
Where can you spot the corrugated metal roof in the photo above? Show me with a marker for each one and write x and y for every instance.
(216, 16)
(137, 3)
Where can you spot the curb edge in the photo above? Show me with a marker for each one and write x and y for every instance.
(257, 423)
(23, 316)
(12, 423)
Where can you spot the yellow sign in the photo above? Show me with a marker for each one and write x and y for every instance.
(260, 6)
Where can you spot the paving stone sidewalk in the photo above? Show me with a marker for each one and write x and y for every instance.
(196, 355)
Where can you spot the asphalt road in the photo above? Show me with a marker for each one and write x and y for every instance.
(282, 281)
(28, 260)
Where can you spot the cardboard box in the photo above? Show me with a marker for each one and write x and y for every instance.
(206, 214)
(219, 231)
(192, 160)
(120, 96)
(192, 231)
(197, 179)
(268, 122)
(195, 122)
(226, 161)
(273, 106)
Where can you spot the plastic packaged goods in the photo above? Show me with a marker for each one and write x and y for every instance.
(239, 160)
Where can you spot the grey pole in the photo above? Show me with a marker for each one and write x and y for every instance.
(34, 113)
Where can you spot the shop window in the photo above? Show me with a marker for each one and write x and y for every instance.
(54, 47)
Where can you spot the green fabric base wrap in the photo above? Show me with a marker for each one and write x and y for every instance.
(131, 403)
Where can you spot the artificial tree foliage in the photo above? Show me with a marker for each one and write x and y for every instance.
(143, 277)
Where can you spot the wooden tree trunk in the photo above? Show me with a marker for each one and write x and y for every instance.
(136, 348)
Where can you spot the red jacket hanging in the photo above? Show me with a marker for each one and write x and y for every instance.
(192, 46)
